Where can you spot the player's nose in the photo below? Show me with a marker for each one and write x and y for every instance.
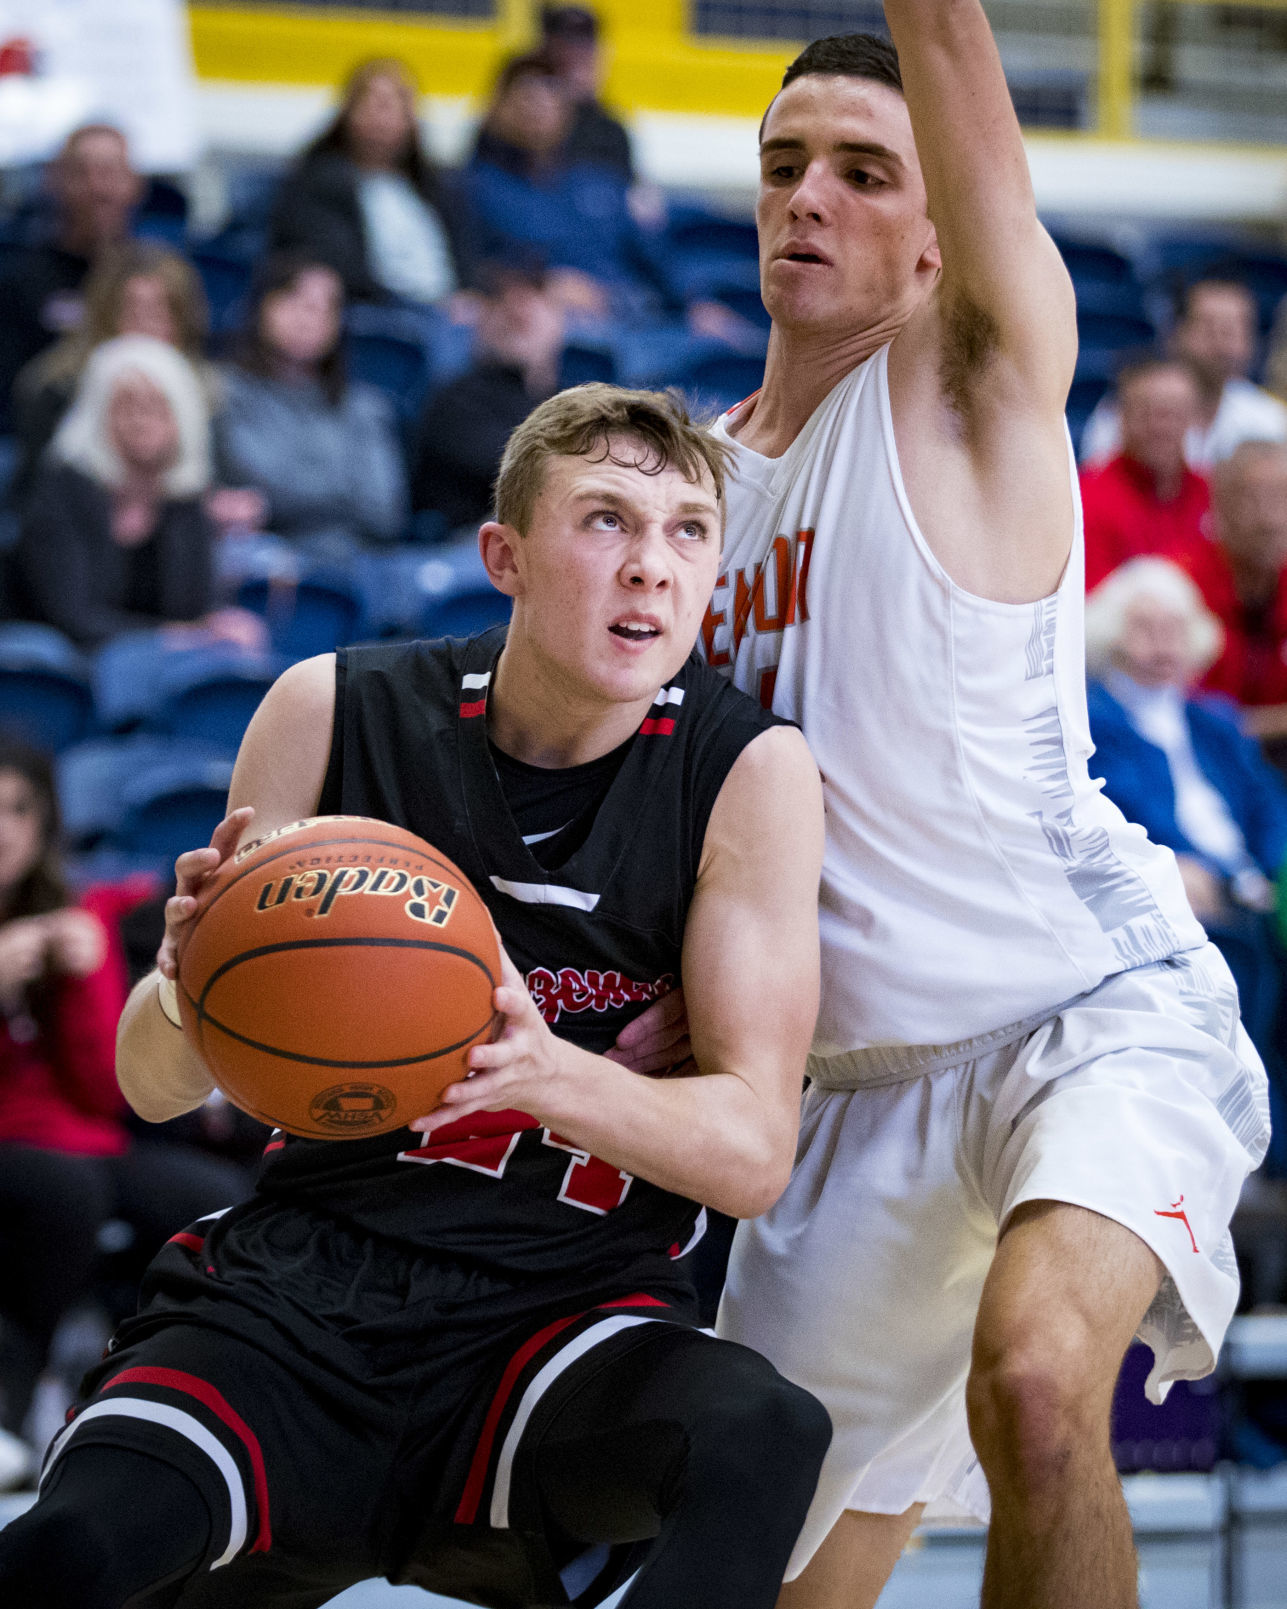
(648, 562)
(808, 199)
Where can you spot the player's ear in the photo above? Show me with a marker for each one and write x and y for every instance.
(931, 257)
(498, 545)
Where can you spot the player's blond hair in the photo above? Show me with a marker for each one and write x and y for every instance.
(648, 430)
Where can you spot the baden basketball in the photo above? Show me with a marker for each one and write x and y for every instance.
(336, 975)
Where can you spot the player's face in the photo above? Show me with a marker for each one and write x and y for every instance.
(845, 236)
(614, 574)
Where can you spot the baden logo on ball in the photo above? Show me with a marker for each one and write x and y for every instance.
(336, 976)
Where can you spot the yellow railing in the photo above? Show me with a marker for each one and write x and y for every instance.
(656, 61)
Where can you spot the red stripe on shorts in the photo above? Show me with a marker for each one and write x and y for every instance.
(205, 1393)
(470, 1498)
(183, 1238)
(478, 708)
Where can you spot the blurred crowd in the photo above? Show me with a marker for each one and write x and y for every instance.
(194, 434)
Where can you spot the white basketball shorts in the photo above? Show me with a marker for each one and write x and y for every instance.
(1142, 1100)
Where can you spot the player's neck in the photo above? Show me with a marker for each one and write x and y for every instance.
(802, 368)
(533, 715)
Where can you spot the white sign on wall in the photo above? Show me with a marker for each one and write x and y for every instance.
(125, 62)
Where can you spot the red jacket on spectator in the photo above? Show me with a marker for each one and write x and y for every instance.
(1126, 519)
(58, 1087)
(1252, 668)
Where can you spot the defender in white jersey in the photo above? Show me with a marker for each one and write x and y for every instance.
(1032, 1105)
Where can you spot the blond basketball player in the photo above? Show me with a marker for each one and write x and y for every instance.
(1031, 1105)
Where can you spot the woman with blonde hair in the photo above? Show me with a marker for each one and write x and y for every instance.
(115, 535)
(366, 199)
(139, 288)
(1177, 762)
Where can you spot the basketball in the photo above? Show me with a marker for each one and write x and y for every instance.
(335, 976)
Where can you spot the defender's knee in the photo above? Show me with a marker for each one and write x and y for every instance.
(51, 1558)
(1034, 1406)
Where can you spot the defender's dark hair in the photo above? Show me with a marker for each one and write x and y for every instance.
(849, 56)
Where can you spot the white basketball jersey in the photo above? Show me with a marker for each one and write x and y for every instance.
(974, 874)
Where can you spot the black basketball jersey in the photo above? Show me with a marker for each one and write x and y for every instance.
(597, 938)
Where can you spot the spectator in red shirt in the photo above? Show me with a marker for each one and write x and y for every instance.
(1146, 500)
(68, 1163)
(1243, 575)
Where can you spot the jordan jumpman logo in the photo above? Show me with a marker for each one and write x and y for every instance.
(1180, 1214)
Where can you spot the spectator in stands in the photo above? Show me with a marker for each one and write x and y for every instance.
(67, 1160)
(321, 451)
(365, 198)
(1146, 499)
(140, 288)
(1243, 576)
(1179, 764)
(462, 431)
(115, 536)
(529, 194)
(94, 190)
(1215, 332)
(570, 42)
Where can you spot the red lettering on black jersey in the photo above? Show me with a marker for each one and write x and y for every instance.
(573, 991)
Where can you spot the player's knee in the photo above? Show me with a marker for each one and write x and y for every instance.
(1030, 1405)
(759, 1433)
(54, 1558)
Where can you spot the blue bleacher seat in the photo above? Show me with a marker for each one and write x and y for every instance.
(582, 362)
(397, 364)
(312, 616)
(28, 642)
(172, 807)
(163, 213)
(744, 300)
(44, 705)
(704, 250)
(717, 381)
(214, 706)
(226, 278)
(465, 613)
(1114, 332)
(1094, 262)
(94, 777)
(1083, 398)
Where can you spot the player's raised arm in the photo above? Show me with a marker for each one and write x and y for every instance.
(279, 773)
(1003, 281)
(750, 974)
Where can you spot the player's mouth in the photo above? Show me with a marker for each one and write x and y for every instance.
(800, 253)
(640, 629)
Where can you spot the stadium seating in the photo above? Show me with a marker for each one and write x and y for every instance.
(171, 807)
(311, 616)
(50, 707)
(213, 705)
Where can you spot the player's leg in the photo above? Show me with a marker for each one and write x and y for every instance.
(1066, 1294)
(850, 1569)
(699, 1443)
(113, 1527)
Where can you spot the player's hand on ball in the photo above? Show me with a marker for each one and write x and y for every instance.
(190, 873)
(657, 1039)
(513, 1070)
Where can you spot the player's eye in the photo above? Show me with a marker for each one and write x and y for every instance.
(781, 172)
(605, 520)
(863, 180)
(694, 530)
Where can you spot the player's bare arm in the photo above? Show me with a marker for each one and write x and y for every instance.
(725, 1137)
(980, 376)
(277, 780)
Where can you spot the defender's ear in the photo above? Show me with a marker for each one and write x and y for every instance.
(498, 545)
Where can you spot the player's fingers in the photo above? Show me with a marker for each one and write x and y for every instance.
(658, 1058)
(660, 1017)
(226, 835)
(512, 1002)
(193, 867)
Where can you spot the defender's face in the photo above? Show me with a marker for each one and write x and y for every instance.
(845, 236)
(615, 572)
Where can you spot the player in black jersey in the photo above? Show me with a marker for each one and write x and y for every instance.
(464, 1356)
